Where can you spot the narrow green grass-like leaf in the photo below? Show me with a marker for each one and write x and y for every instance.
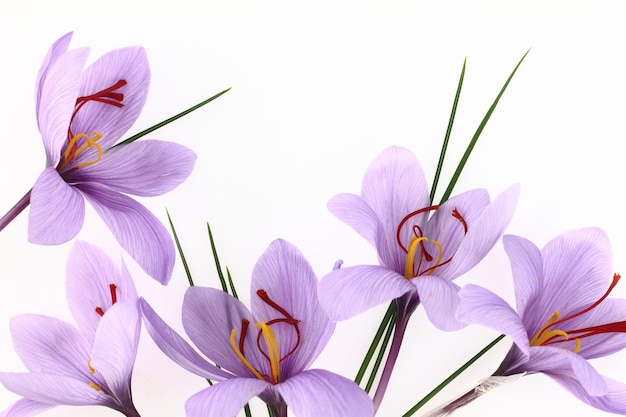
(444, 146)
(231, 284)
(170, 120)
(217, 260)
(452, 376)
(387, 321)
(246, 409)
(381, 354)
(180, 249)
(269, 411)
(481, 126)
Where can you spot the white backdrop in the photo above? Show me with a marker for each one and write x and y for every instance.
(319, 89)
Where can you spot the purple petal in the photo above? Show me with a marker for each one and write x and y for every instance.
(527, 270)
(52, 389)
(144, 168)
(25, 408)
(346, 292)
(483, 234)
(224, 399)
(286, 276)
(57, 98)
(129, 64)
(481, 306)
(321, 393)
(115, 348)
(352, 210)
(176, 348)
(577, 268)
(449, 230)
(89, 275)
(440, 299)
(613, 401)
(394, 186)
(557, 361)
(209, 317)
(57, 210)
(136, 229)
(46, 344)
(56, 50)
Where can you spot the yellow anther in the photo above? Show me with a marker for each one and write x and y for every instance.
(90, 142)
(577, 348)
(242, 358)
(410, 256)
(95, 386)
(272, 348)
(91, 370)
(544, 336)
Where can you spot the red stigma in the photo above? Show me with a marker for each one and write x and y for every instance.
(106, 96)
(407, 218)
(288, 319)
(244, 330)
(113, 291)
(615, 327)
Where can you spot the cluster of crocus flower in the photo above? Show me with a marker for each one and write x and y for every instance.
(563, 318)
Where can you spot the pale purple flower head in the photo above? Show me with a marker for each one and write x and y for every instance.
(563, 314)
(264, 352)
(86, 365)
(421, 247)
(81, 115)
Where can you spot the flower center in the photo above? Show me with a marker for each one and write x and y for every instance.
(113, 290)
(419, 260)
(547, 335)
(74, 148)
(273, 353)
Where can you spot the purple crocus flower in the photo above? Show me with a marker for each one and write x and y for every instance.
(419, 254)
(264, 352)
(86, 365)
(81, 115)
(563, 314)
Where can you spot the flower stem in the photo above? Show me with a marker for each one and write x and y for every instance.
(16, 210)
(278, 409)
(386, 322)
(402, 319)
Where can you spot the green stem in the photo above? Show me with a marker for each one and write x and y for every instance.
(387, 321)
(444, 146)
(479, 130)
(180, 250)
(449, 379)
(170, 120)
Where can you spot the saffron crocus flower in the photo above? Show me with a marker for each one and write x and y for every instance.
(419, 253)
(563, 315)
(86, 365)
(81, 115)
(264, 352)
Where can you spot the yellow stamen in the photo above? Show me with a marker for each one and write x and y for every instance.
(91, 370)
(272, 348)
(410, 256)
(544, 335)
(242, 358)
(95, 386)
(90, 142)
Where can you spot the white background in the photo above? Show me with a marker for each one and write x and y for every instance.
(319, 89)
